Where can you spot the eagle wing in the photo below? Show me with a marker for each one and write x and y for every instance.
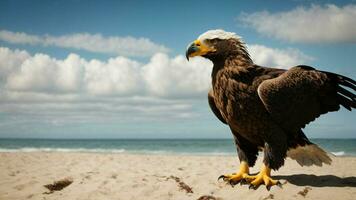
(213, 107)
(301, 94)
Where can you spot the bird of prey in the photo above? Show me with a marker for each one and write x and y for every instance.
(267, 108)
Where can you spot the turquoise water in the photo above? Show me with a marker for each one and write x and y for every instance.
(339, 147)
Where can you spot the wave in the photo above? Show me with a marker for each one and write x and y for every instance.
(133, 151)
(63, 150)
(102, 150)
(338, 153)
(84, 150)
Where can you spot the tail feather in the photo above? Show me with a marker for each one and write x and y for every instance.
(309, 155)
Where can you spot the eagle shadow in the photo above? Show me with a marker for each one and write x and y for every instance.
(319, 181)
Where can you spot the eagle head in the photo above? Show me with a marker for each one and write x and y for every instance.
(217, 44)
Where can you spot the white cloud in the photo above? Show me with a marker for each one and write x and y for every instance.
(161, 76)
(125, 46)
(116, 76)
(40, 88)
(119, 76)
(95, 110)
(45, 74)
(314, 24)
(9, 60)
(177, 77)
(272, 57)
(19, 38)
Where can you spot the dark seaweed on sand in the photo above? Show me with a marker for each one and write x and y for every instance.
(58, 185)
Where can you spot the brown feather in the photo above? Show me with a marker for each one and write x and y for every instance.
(267, 108)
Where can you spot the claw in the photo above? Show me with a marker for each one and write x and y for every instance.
(233, 179)
(268, 187)
(263, 177)
(252, 187)
(243, 182)
(231, 183)
(238, 177)
(221, 177)
(279, 184)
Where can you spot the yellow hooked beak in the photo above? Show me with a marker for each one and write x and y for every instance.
(197, 48)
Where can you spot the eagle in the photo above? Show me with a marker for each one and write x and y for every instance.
(267, 108)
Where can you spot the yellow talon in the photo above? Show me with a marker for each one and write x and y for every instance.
(264, 176)
(240, 176)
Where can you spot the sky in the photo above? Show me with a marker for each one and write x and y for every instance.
(116, 69)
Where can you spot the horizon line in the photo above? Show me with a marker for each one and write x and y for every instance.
(113, 138)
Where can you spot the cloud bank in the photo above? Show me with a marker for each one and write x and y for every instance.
(161, 76)
(314, 24)
(119, 76)
(40, 89)
(124, 46)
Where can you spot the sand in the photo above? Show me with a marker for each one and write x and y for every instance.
(128, 176)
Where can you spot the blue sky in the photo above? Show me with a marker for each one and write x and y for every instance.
(115, 69)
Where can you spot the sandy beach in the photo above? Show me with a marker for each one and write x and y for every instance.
(129, 176)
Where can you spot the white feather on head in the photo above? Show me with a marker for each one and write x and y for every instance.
(218, 34)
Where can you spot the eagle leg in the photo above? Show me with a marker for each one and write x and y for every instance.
(263, 177)
(238, 177)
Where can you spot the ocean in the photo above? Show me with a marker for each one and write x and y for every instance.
(338, 147)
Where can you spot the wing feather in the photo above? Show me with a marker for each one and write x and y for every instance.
(213, 107)
(302, 94)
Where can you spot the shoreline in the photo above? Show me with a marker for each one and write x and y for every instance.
(156, 153)
(155, 176)
(201, 147)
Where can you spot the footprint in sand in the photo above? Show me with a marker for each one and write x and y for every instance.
(114, 176)
(22, 186)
